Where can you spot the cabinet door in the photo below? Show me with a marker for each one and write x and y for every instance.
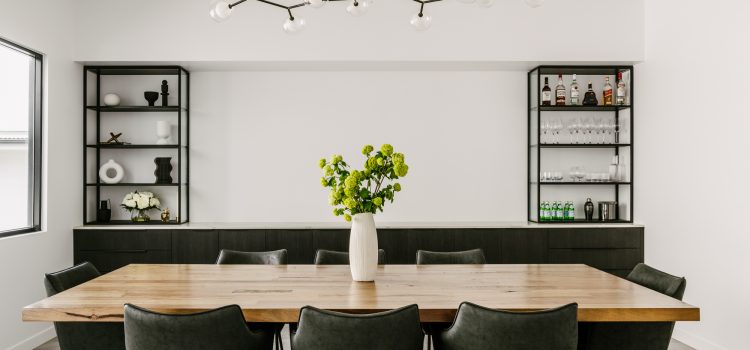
(523, 246)
(122, 239)
(486, 239)
(435, 240)
(243, 240)
(603, 259)
(110, 260)
(393, 241)
(596, 238)
(337, 240)
(195, 246)
(298, 243)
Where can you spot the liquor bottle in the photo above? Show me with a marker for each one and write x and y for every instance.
(607, 95)
(621, 90)
(546, 93)
(589, 99)
(560, 92)
(575, 94)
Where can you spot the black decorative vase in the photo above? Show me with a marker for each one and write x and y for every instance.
(151, 97)
(589, 209)
(163, 170)
(104, 213)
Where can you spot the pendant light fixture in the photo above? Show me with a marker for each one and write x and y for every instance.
(220, 10)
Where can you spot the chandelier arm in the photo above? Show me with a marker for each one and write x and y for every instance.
(236, 3)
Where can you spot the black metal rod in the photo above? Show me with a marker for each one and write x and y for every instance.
(236, 3)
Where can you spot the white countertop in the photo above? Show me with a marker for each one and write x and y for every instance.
(346, 225)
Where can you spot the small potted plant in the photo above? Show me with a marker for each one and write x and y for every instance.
(357, 195)
(138, 204)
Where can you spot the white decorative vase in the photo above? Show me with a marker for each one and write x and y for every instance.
(163, 132)
(113, 166)
(363, 248)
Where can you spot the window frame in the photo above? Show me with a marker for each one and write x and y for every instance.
(35, 141)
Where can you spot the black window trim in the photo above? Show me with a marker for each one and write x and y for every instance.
(35, 142)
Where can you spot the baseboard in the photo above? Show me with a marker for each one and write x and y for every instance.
(696, 342)
(35, 340)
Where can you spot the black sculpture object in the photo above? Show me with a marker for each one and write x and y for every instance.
(104, 213)
(163, 170)
(589, 209)
(164, 93)
(151, 97)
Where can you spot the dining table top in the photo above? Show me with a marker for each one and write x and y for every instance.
(275, 293)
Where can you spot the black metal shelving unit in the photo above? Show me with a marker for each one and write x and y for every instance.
(94, 111)
(536, 113)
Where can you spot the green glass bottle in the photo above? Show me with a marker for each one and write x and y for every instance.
(566, 208)
(542, 212)
(559, 213)
(572, 212)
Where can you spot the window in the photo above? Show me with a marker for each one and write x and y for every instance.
(20, 139)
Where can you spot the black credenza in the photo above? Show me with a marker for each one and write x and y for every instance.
(613, 249)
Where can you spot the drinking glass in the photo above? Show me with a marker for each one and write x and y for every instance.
(545, 128)
(588, 128)
(556, 125)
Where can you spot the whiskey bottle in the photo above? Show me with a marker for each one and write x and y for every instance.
(621, 90)
(607, 95)
(546, 93)
(560, 92)
(589, 99)
(575, 94)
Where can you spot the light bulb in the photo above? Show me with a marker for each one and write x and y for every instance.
(359, 7)
(294, 26)
(316, 3)
(467, 1)
(534, 3)
(485, 3)
(219, 10)
(421, 21)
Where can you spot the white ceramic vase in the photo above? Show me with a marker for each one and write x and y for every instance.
(163, 132)
(363, 248)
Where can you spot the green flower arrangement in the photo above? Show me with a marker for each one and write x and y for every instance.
(363, 191)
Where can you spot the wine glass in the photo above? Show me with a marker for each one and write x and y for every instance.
(556, 125)
(588, 128)
(545, 128)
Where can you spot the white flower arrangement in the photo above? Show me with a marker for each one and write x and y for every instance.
(140, 201)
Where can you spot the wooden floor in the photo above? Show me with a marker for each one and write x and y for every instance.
(52, 344)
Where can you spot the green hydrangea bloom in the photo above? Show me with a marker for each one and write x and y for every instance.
(335, 159)
(367, 173)
(336, 194)
(380, 161)
(322, 163)
(350, 192)
(397, 187)
(371, 163)
(323, 181)
(386, 149)
(367, 149)
(401, 169)
(347, 217)
(350, 203)
(328, 170)
(350, 182)
(336, 212)
(398, 158)
(377, 201)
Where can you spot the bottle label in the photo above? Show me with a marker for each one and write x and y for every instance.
(546, 96)
(574, 93)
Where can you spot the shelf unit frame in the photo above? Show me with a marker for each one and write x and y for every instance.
(183, 138)
(535, 110)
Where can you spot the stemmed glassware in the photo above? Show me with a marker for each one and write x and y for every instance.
(556, 125)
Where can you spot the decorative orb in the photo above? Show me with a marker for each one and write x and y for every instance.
(219, 10)
(111, 100)
(534, 3)
(294, 26)
(358, 7)
(422, 22)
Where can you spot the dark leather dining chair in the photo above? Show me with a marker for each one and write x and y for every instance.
(474, 256)
(82, 335)
(327, 330)
(220, 329)
(234, 257)
(274, 257)
(479, 328)
(636, 335)
(331, 257)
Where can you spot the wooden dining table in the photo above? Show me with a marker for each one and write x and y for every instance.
(268, 293)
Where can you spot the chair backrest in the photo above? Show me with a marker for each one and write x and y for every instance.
(474, 256)
(659, 281)
(332, 257)
(59, 281)
(223, 328)
(477, 327)
(637, 335)
(327, 330)
(82, 335)
(233, 257)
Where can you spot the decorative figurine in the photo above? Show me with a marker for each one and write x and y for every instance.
(111, 100)
(589, 209)
(104, 213)
(164, 93)
(151, 97)
(165, 215)
(114, 139)
(163, 170)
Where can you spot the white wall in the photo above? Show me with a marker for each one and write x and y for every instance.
(510, 31)
(691, 133)
(46, 26)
